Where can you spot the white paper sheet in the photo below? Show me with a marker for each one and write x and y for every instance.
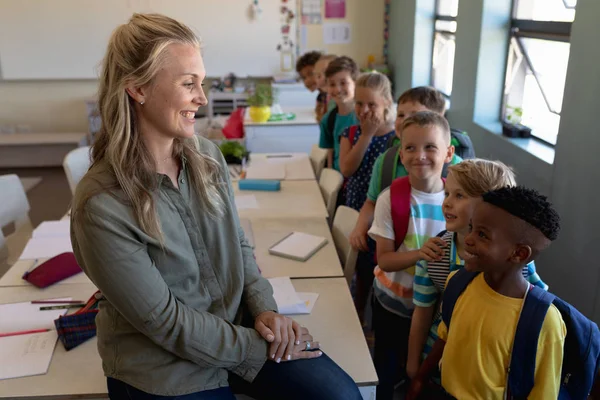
(288, 301)
(263, 170)
(28, 354)
(60, 228)
(298, 245)
(46, 247)
(246, 202)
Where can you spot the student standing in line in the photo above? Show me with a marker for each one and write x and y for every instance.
(154, 226)
(324, 102)
(402, 242)
(305, 66)
(341, 75)
(360, 146)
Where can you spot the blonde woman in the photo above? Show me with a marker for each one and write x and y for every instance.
(155, 228)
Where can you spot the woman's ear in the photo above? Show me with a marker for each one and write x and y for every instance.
(136, 93)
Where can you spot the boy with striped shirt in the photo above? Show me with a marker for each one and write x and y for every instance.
(465, 186)
(425, 148)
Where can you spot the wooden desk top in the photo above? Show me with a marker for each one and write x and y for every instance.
(78, 374)
(268, 231)
(296, 199)
(335, 325)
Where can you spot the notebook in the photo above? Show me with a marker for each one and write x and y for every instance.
(298, 246)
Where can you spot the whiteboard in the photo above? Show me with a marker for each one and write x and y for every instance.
(66, 39)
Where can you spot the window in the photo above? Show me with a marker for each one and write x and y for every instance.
(537, 64)
(444, 46)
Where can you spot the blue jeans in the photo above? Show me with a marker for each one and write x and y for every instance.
(316, 379)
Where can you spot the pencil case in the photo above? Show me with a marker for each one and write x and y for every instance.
(259, 184)
(76, 328)
(53, 270)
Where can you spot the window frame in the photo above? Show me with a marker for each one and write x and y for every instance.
(450, 34)
(555, 31)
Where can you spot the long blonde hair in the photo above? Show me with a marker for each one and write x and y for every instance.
(382, 86)
(136, 52)
(478, 176)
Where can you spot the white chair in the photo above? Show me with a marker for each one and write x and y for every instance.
(330, 183)
(343, 224)
(76, 164)
(14, 220)
(318, 158)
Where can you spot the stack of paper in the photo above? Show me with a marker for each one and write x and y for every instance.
(29, 354)
(288, 300)
(49, 239)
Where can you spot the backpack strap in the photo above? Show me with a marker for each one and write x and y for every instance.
(331, 120)
(521, 372)
(388, 167)
(400, 202)
(352, 133)
(454, 289)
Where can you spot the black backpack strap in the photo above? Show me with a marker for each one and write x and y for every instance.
(331, 120)
(388, 168)
(454, 289)
(522, 364)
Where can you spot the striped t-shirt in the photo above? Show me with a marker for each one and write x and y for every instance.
(430, 282)
(394, 290)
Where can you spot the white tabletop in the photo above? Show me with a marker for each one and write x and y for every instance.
(335, 325)
(78, 373)
(14, 276)
(296, 199)
(304, 116)
(268, 231)
(297, 165)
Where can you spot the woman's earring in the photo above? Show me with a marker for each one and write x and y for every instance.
(142, 103)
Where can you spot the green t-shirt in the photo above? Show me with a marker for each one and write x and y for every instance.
(331, 140)
(375, 183)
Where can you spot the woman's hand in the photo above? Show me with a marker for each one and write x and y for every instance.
(282, 332)
(301, 351)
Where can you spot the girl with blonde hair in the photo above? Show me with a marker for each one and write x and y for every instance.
(154, 226)
(466, 183)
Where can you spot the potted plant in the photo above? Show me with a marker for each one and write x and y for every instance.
(234, 152)
(512, 127)
(260, 102)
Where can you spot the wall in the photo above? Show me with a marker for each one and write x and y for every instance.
(366, 19)
(58, 106)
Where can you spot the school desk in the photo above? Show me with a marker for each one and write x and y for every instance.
(268, 231)
(78, 374)
(296, 199)
(297, 135)
(297, 165)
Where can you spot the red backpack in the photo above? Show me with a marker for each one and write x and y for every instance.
(400, 202)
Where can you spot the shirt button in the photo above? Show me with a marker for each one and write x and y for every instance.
(182, 180)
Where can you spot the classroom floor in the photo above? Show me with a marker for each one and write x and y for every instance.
(48, 200)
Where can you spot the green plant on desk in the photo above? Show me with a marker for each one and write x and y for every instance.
(260, 102)
(233, 152)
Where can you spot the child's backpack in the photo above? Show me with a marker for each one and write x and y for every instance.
(331, 119)
(400, 204)
(463, 147)
(581, 350)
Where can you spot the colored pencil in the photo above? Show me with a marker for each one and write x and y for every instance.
(63, 307)
(56, 301)
(23, 332)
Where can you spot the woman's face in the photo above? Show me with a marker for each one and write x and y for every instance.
(174, 95)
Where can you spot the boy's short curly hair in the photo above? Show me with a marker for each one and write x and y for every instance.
(528, 205)
(307, 60)
(340, 64)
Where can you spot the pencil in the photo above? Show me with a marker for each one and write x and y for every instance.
(23, 332)
(62, 307)
(56, 301)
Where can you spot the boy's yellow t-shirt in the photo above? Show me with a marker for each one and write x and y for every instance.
(477, 352)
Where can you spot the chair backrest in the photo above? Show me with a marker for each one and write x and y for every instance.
(318, 158)
(343, 224)
(14, 209)
(330, 184)
(76, 164)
